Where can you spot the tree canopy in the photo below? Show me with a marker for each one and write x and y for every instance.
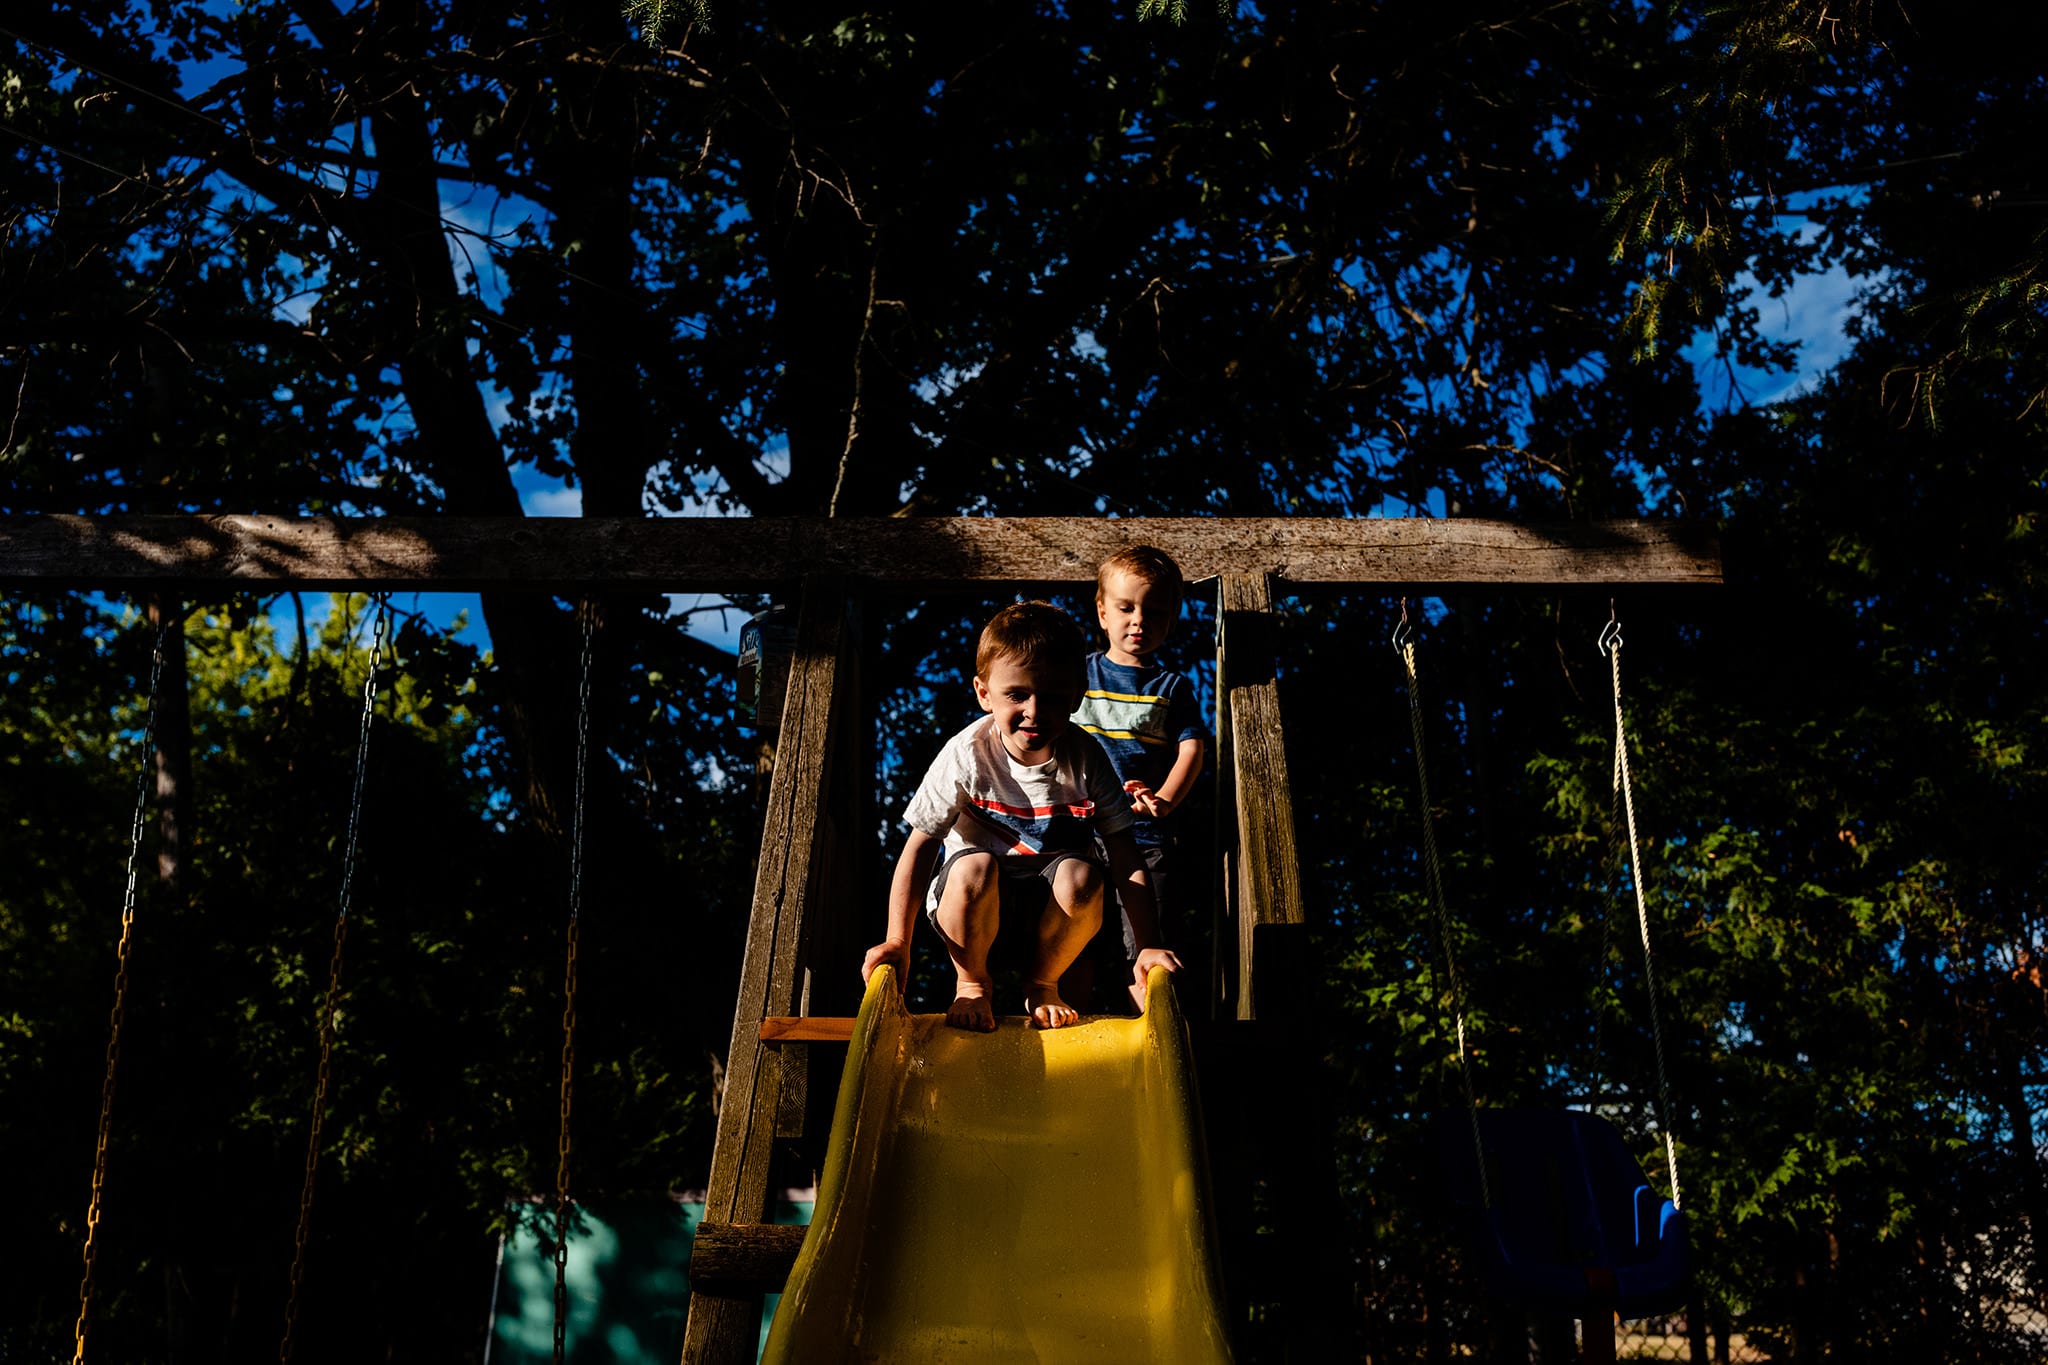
(1503, 258)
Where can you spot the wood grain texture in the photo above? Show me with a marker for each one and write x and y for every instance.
(1267, 864)
(1223, 888)
(724, 1327)
(806, 1029)
(793, 1089)
(1265, 807)
(743, 1258)
(733, 554)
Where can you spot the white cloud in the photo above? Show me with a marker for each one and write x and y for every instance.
(1813, 311)
(552, 502)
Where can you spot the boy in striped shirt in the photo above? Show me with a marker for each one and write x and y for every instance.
(1143, 713)
(1010, 812)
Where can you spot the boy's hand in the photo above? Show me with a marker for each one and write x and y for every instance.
(895, 952)
(1147, 960)
(1145, 801)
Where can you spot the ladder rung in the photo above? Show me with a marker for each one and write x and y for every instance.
(806, 1028)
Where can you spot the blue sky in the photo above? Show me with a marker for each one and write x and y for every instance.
(1814, 312)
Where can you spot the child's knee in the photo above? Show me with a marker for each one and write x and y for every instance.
(968, 905)
(972, 876)
(1079, 884)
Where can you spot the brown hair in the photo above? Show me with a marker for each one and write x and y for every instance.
(1036, 634)
(1153, 568)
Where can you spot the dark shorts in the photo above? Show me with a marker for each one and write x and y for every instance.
(1024, 885)
(1158, 857)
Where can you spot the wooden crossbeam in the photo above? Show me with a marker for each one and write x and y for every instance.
(734, 1259)
(736, 554)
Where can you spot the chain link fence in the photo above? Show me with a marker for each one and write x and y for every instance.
(1982, 1308)
(1680, 1338)
(2000, 1328)
(2004, 1330)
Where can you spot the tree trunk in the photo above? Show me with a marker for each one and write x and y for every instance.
(533, 643)
(2026, 1160)
(1696, 1328)
(593, 170)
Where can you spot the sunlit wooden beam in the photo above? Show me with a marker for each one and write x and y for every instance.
(731, 554)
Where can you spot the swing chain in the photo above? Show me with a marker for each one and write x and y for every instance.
(588, 614)
(1404, 645)
(1610, 643)
(118, 1015)
(330, 1002)
(378, 631)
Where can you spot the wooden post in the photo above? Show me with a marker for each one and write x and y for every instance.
(834, 937)
(1284, 1143)
(1268, 871)
(1223, 936)
(787, 886)
(829, 964)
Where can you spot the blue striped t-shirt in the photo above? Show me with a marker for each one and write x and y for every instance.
(1140, 715)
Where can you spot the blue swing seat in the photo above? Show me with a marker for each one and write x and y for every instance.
(1575, 1229)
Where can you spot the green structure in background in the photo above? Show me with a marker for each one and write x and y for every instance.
(629, 1290)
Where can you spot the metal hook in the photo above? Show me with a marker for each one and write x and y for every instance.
(1404, 631)
(1610, 635)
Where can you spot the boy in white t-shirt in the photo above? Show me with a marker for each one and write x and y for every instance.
(1009, 812)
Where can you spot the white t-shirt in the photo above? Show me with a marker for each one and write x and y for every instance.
(976, 797)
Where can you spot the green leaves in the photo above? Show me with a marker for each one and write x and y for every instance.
(1177, 10)
(443, 1103)
(656, 19)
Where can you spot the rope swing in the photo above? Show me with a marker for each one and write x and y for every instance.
(1610, 645)
(1561, 1221)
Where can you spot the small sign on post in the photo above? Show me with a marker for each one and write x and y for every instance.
(766, 642)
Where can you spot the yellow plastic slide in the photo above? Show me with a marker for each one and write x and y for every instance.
(1021, 1195)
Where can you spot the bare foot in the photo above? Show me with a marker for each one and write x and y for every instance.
(970, 1008)
(1042, 1002)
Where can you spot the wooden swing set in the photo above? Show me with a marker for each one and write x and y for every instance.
(803, 927)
